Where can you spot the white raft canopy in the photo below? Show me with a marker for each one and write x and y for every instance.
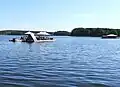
(43, 33)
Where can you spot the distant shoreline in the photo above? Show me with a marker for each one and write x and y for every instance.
(21, 32)
(79, 32)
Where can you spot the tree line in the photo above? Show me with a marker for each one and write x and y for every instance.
(18, 32)
(94, 32)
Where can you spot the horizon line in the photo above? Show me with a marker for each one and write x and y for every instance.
(41, 29)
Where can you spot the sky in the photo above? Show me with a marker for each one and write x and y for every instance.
(55, 15)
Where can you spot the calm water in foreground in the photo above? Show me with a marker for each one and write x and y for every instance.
(67, 62)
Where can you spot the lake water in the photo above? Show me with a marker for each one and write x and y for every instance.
(67, 62)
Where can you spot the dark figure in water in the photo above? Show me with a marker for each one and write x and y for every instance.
(21, 38)
(13, 39)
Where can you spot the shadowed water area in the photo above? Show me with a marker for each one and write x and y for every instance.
(67, 62)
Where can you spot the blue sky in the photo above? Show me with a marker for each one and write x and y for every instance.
(53, 15)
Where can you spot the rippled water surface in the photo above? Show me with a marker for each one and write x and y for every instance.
(67, 62)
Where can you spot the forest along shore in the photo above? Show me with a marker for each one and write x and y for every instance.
(92, 32)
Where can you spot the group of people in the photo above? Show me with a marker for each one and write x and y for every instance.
(42, 38)
(29, 38)
(26, 38)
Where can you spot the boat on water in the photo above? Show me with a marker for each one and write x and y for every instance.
(31, 37)
(110, 36)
